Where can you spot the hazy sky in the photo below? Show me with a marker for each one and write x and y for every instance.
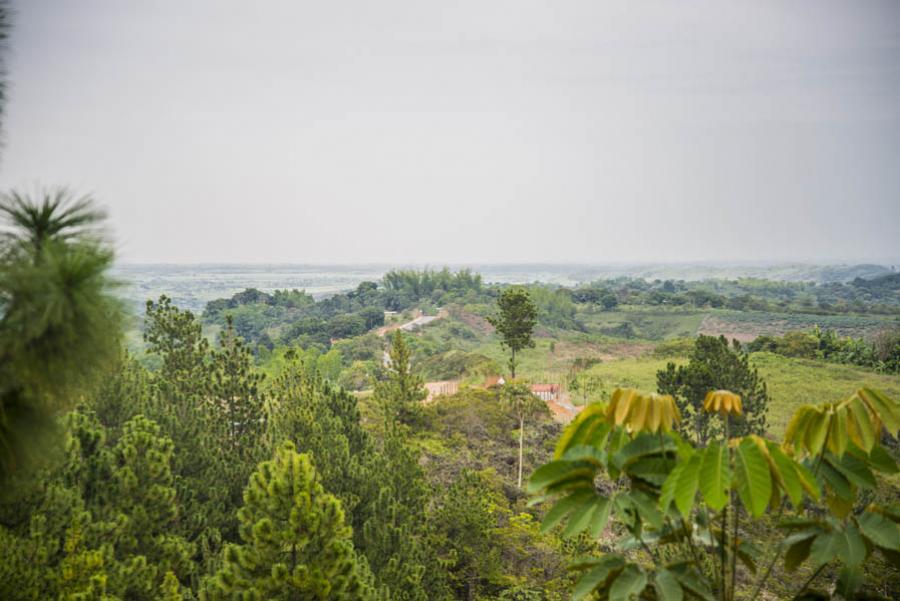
(485, 131)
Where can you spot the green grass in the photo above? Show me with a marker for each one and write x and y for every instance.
(791, 382)
(637, 373)
(795, 382)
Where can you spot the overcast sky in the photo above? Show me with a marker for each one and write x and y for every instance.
(483, 131)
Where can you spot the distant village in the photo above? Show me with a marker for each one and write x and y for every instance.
(556, 398)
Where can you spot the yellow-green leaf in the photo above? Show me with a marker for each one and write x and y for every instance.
(787, 475)
(715, 476)
(754, 482)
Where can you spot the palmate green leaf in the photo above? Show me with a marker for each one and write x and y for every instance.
(851, 546)
(816, 432)
(691, 580)
(667, 586)
(859, 425)
(681, 485)
(687, 484)
(583, 515)
(564, 507)
(653, 470)
(849, 581)
(600, 517)
(798, 547)
(643, 445)
(589, 428)
(752, 477)
(559, 471)
(588, 453)
(881, 460)
(715, 476)
(795, 432)
(608, 566)
(647, 508)
(628, 584)
(787, 474)
(886, 408)
(836, 481)
(626, 511)
(855, 470)
(881, 531)
(837, 433)
(824, 548)
(808, 481)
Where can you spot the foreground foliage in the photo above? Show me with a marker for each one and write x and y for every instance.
(684, 514)
(59, 321)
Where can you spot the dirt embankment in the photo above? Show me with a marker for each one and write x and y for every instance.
(476, 322)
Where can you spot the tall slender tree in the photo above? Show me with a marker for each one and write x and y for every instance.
(515, 322)
(523, 405)
(399, 396)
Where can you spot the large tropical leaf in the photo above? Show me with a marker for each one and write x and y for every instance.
(786, 473)
(628, 584)
(851, 546)
(608, 566)
(715, 476)
(880, 530)
(560, 471)
(643, 445)
(752, 478)
(691, 580)
(588, 428)
(583, 516)
(667, 586)
(798, 547)
(565, 506)
(681, 485)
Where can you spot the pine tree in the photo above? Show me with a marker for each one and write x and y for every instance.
(170, 589)
(59, 320)
(399, 396)
(295, 542)
(466, 521)
(323, 422)
(176, 337)
(714, 365)
(395, 534)
(204, 399)
(145, 493)
(236, 389)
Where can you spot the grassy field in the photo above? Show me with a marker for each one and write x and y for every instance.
(791, 382)
(794, 382)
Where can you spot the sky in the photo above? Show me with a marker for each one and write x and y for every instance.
(453, 132)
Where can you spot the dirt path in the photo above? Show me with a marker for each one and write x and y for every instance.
(419, 321)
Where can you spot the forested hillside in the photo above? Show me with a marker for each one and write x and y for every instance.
(387, 442)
